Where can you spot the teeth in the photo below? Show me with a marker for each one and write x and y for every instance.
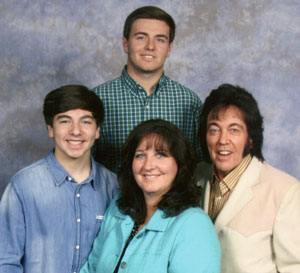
(150, 176)
(224, 152)
(75, 141)
(148, 57)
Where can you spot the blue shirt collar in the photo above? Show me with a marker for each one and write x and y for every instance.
(60, 175)
(135, 88)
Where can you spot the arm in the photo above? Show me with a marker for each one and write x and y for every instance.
(196, 248)
(196, 141)
(91, 265)
(286, 237)
(12, 232)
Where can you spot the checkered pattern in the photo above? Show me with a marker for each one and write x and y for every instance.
(126, 105)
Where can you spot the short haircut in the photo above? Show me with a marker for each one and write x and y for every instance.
(149, 12)
(70, 97)
(227, 95)
(183, 192)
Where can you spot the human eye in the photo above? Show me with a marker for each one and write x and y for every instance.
(161, 39)
(213, 130)
(139, 155)
(161, 154)
(64, 121)
(87, 121)
(140, 37)
(235, 130)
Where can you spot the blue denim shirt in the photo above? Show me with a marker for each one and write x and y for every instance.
(47, 221)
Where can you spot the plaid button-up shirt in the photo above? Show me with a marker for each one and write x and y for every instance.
(127, 104)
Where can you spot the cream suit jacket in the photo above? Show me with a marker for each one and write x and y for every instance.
(259, 226)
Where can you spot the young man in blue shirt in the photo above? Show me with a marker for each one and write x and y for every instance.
(52, 210)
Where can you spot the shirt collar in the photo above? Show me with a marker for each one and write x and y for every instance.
(157, 222)
(135, 88)
(231, 179)
(60, 175)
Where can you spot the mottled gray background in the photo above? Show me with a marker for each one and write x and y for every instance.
(46, 44)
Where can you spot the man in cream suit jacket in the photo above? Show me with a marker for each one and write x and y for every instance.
(255, 207)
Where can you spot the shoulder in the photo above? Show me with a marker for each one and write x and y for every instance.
(194, 216)
(184, 91)
(103, 171)
(27, 174)
(278, 176)
(267, 174)
(203, 172)
(106, 177)
(107, 86)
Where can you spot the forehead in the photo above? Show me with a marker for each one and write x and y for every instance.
(227, 114)
(153, 141)
(75, 113)
(150, 25)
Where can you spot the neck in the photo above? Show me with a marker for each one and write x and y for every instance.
(151, 207)
(80, 169)
(146, 80)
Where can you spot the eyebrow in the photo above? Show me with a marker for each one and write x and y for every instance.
(146, 34)
(69, 117)
(230, 125)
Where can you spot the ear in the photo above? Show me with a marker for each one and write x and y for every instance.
(125, 45)
(97, 133)
(50, 131)
(170, 49)
(251, 143)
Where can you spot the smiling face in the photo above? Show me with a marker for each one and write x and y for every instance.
(148, 47)
(227, 138)
(74, 133)
(153, 167)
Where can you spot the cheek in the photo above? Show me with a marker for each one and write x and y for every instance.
(135, 167)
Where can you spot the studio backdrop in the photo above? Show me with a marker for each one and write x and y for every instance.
(45, 44)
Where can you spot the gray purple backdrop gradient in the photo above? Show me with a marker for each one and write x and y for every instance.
(46, 44)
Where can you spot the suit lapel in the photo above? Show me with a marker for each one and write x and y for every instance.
(241, 194)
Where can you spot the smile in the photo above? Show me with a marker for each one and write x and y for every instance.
(151, 176)
(75, 142)
(148, 57)
(224, 152)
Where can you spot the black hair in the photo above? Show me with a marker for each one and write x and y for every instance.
(71, 97)
(223, 97)
(183, 192)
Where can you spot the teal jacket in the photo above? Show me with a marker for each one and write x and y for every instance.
(186, 243)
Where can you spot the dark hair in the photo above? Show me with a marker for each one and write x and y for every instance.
(221, 98)
(182, 194)
(71, 97)
(149, 12)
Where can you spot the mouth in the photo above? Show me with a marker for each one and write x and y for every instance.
(75, 142)
(147, 57)
(224, 152)
(151, 176)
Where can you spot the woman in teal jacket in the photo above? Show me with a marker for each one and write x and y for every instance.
(155, 225)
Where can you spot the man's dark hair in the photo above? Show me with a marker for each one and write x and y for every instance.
(182, 194)
(149, 12)
(70, 97)
(227, 95)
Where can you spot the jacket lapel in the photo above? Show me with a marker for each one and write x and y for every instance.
(241, 194)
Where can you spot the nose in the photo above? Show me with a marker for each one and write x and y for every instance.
(223, 140)
(75, 129)
(150, 44)
(149, 163)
